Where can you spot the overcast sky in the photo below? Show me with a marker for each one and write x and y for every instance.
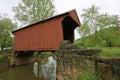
(110, 6)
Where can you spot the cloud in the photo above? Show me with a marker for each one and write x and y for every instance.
(6, 7)
(110, 6)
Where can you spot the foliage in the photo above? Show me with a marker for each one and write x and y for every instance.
(87, 72)
(93, 22)
(6, 27)
(86, 76)
(31, 11)
(43, 55)
(84, 30)
(3, 58)
(90, 17)
(46, 54)
(110, 38)
(110, 52)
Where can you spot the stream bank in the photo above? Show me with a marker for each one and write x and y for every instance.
(45, 69)
(72, 64)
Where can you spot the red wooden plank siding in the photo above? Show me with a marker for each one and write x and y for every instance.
(74, 15)
(42, 36)
(45, 36)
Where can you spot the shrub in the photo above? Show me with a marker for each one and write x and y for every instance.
(3, 58)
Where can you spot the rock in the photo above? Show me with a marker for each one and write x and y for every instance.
(109, 68)
(71, 60)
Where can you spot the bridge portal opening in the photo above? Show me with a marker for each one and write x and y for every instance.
(69, 26)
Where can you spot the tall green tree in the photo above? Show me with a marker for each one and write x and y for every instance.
(93, 21)
(90, 17)
(31, 11)
(6, 27)
(117, 22)
(90, 22)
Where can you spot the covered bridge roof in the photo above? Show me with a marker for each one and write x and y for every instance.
(70, 13)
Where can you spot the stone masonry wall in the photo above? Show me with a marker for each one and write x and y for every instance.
(109, 68)
(72, 62)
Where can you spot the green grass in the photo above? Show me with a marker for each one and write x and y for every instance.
(44, 56)
(87, 73)
(110, 52)
(86, 76)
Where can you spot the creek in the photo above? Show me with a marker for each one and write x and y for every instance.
(34, 71)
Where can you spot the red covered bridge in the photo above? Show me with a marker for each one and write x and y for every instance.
(46, 35)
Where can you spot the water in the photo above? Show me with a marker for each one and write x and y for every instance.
(35, 71)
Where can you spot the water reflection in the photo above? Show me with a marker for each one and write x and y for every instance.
(47, 71)
(36, 71)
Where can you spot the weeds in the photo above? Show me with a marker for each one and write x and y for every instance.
(86, 76)
(3, 59)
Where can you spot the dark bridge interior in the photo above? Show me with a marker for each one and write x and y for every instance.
(68, 28)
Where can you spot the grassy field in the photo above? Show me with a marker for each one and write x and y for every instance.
(110, 52)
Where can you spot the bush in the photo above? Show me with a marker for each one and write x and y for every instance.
(3, 59)
(108, 37)
(46, 54)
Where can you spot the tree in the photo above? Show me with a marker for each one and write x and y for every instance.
(83, 31)
(31, 11)
(90, 16)
(117, 22)
(6, 27)
(96, 21)
(90, 23)
(93, 21)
